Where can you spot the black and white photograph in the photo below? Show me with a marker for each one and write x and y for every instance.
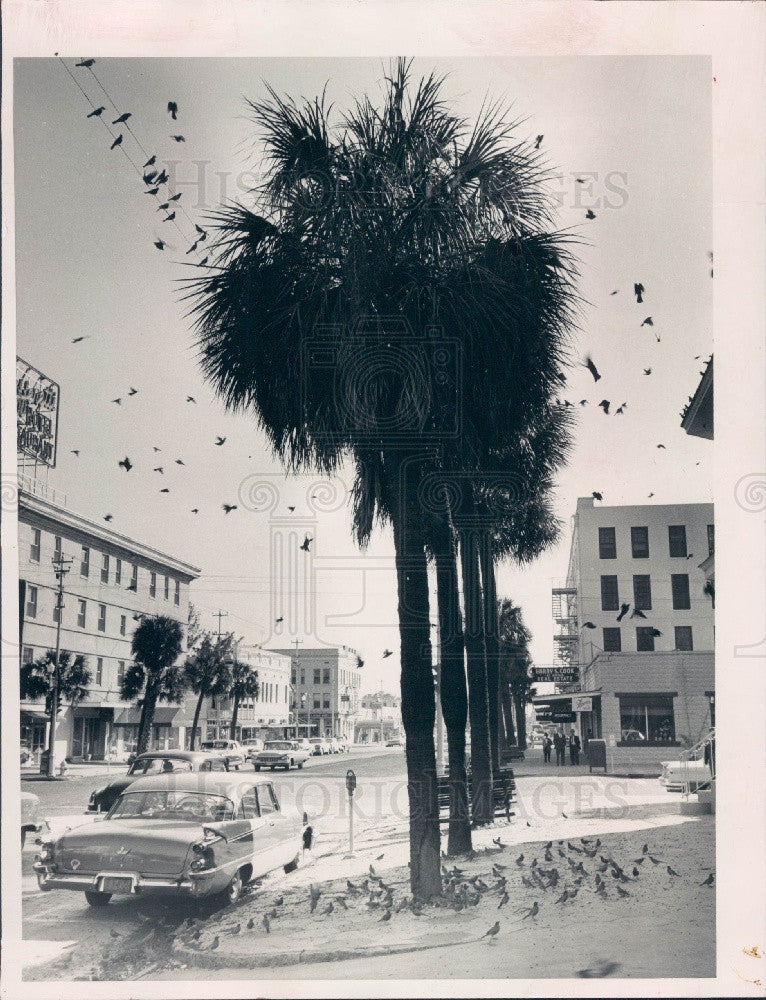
(377, 416)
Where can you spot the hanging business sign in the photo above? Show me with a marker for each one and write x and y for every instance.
(37, 412)
(556, 675)
(582, 703)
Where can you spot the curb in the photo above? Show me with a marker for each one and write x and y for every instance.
(212, 960)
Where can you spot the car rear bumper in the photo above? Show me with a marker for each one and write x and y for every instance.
(141, 884)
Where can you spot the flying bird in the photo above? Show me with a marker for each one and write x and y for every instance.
(162, 177)
(195, 510)
(638, 290)
(615, 292)
(672, 871)
(190, 399)
(107, 517)
(662, 446)
(150, 162)
(117, 141)
(279, 620)
(191, 249)
(387, 653)
(122, 118)
(584, 625)
(220, 440)
(133, 392)
(178, 138)
(597, 496)
(126, 464)
(592, 368)
(605, 404)
(159, 244)
(87, 63)
(538, 140)
(650, 495)
(180, 461)
(709, 880)
(75, 451)
(624, 608)
(166, 490)
(160, 470)
(637, 613)
(152, 191)
(583, 402)
(647, 371)
(173, 109)
(306, 543)
(291, 509)
(648, 321)
(228, 507)
(200, 230)
(175, 197)
(621, 408)
(169, 218)
(163, 207)
(96, 112)
(78, 339)
(590, 214)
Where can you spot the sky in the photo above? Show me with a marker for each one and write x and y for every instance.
(636, 129)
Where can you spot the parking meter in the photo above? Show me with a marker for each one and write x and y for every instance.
(350, 781)
(350, 788)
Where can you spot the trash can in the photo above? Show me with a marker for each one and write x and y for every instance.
(596, 754)
(44, 756)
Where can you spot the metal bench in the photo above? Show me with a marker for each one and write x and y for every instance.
(503, 794)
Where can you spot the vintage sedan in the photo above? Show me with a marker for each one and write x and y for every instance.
(232, 750)
(155, 762)
(30, 815)
(281, 753)
(195, 835)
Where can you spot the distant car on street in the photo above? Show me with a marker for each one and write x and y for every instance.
(232, 750)
(396, 742)
(152, 763)
(318, 746)
(195, 835)
(280, 753)
(30, 813)
(333, 745)
(343, 746)
(251, 748)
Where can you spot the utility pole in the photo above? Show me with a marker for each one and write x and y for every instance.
(219, 615)
(61, 569)
(296, 643)
(380, 709)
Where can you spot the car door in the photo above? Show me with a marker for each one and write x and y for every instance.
(261, 834)
(283, 843)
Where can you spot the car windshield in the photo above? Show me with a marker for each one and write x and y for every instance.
(277, 745)
(316, 741)
(180, 805)
(215, 745)
(159, 765)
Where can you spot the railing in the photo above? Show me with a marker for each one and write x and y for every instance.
(37, 488)
(705, 747)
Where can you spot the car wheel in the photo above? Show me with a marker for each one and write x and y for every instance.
(292, 764)
(300, 764)
(273, 767)
(233, 890)
(257, 767)
(98, 898)
(236, 767)
(292, 865)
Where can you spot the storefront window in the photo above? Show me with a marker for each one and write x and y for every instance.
(647, 719)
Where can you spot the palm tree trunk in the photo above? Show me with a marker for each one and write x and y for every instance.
(453, 689)
(492, 643)
(505, 700)
(234, 717)
(417, 682)
(147, 716)
(195, 724)
(521, 719)
(478, 701)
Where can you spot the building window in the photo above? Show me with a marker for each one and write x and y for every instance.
(34, 548)
(609, 595)
(680, 584)
(677, 541)
(85, 561)
(28, 654)
(612, 640)
(153, 585)
(607, 543)
(647, 718)
(57, 548)
(31, 602)
(102, 618)
(120, 673)
(134, 577)
(177, 593)
(317, 676)
(123, 624)
(316, 701)
(292, 675)
(105, 568)
(167, 588)
(711, 539)
(684, 638)
(326, 701)
(303, 676)
(642, 592)
(118, 571)
(81, 608)
(99, 671)
(645, 639)
(326, 675)
(639, 542)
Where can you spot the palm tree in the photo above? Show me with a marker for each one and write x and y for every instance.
(514, 650)
(153, 676)
(392, 277)
(74, 677)
(208, 673)
(243, 684)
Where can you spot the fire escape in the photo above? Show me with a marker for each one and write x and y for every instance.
(566, 638)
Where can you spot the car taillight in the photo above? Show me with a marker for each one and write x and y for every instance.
(204, 859)
(47, 851)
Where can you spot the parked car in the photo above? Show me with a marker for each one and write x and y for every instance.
(192, 834)
(305, 744)
(25, 754)
(281, 753)
(251, 748)
(333, 745)
(154, 762)
(396, 742)
(318, 746)
(232, 750)
(675, 773)
(342, 745)
(30, 812)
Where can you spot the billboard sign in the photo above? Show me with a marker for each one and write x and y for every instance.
(556, 675)
(37, 412)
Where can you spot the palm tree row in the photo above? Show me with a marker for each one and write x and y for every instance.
(401, 273)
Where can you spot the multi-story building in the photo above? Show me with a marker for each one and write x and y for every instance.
(326, 684)
(635, 631)
(267, 715)
(111, 581)
(697, 419)
(380, 718)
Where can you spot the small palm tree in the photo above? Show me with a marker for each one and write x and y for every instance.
(515, 658)
(36, 679)
(242, 685)
(208, 673)
(154, 675)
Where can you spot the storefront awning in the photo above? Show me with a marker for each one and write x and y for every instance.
(34, 713)
(163, 716)
(544, 699)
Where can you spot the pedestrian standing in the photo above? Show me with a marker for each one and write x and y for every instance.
(574, 748)
(558, 745)
(547, 744)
